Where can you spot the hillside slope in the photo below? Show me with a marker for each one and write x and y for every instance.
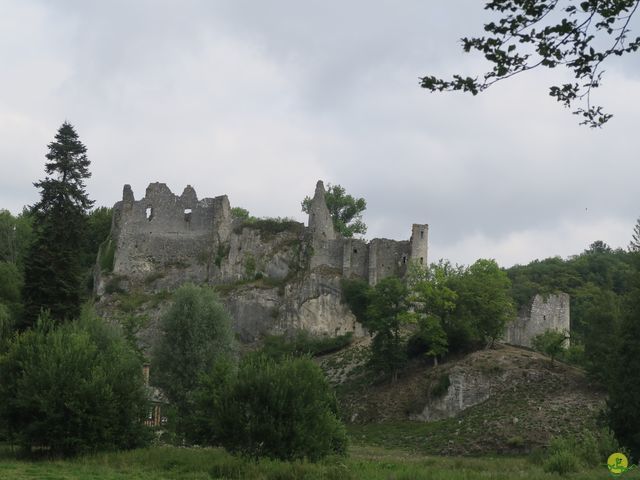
(505, 399)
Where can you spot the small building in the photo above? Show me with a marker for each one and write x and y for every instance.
(157, 400)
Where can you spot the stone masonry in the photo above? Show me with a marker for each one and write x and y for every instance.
(549, 312)
(272, 281)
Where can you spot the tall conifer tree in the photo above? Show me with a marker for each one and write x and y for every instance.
(52, 269)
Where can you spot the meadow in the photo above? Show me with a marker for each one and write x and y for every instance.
(363, 462)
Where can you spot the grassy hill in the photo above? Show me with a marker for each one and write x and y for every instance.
(517, 401)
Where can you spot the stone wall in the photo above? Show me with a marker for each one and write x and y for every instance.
(551, 312)
(272, 280)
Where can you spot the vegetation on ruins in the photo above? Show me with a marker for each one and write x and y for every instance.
(346, 210)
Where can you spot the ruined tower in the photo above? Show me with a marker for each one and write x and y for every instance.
(320, 222)
(419, 243)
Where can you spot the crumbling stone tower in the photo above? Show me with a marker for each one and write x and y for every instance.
(419, 243)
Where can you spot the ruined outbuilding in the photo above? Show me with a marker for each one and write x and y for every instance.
(550, 312)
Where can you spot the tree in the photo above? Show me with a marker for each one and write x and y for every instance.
(53, 269)
(551, 343)
(433, 303)
(72, 388)
(539, 33)
(623, 404)
(634, 245)
(346, 211)
(484, 297)
(195, 333)
(386, 314)
(280, 409)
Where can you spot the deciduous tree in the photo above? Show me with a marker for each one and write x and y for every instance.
(528, 34)
(346, 210)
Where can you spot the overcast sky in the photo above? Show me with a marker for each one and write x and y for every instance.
(259, 100)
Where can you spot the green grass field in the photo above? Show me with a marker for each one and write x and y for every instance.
(364, 462)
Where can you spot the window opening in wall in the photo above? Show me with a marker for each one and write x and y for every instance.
(149, 213)
(421, 233)
(187, 214)
(404, 259)
(355, 250)
(421, 260)
(544, 317)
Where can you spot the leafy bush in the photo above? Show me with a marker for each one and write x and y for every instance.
(441, 386)
(587, 449)
(195, 334)
(303, 343)
(283, 410)
(561, 462)
(72, 388)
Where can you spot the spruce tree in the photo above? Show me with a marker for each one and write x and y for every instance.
(53, 270)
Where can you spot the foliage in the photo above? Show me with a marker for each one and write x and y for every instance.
(346, 210)
(386, 313)
(53, 268)
(529, 34)
(106, 255)
(597, 281)
(364, 463)
(551, 343)
(433, 303)
(195, 333)
(280, 409)
(357, 294)
(72, 388)
(568, 454)
(483, 296)
(98, 228)
(433, 336)
(303, 343)
(441, 387)
(624, 380)
(634, 244)
(10, 285)
(15, 237)
(240, 213)
(270, 227)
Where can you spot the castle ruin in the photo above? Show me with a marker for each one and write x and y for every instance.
(276, 278)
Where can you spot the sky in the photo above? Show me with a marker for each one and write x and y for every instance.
(259, 100)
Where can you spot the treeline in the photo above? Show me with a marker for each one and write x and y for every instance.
(16, 237)
(435, 311)
(601, 282)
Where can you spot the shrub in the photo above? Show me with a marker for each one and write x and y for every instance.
(561, 462)
(72, 388)
(279, 409)
(303, 343)
(195, 334)
(441, 387)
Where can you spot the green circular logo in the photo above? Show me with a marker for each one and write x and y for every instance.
(618, 463)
